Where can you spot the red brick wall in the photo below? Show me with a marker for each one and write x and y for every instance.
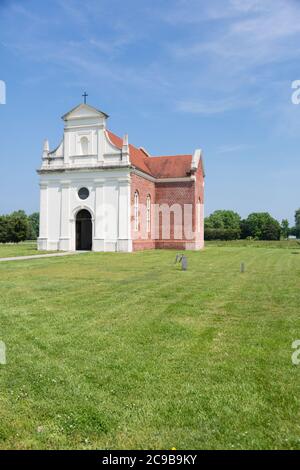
(188, 192)
(179, 194)
(144, 188)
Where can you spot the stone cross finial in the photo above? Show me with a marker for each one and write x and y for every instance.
(125, 149)
(85, 95)
(46, 149)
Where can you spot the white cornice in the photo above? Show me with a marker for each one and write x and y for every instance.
(175, 180)
(81, 169)
(90, 126)
(103, 168)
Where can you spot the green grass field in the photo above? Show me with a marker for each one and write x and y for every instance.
(10, 250)
(127, 351)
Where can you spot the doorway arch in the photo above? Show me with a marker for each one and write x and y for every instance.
(84, 231)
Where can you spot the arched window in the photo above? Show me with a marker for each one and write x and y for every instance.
(148, 213)
(84, 144)
(136, 211)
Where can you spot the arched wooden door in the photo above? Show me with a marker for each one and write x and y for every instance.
(84, 231)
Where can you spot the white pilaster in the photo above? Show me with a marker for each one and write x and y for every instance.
(124, 229)
(99, 233)
(66, 146)
(64, 239)
(125, 150)
(101, 145)
(43, 238)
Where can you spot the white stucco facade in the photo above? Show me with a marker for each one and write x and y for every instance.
(86, 158)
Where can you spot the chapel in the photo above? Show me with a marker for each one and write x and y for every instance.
(99, 192)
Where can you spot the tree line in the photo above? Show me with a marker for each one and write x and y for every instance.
(17, 227)
(220, 225)
(228, 225)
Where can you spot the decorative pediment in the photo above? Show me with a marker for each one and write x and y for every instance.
(84, 111)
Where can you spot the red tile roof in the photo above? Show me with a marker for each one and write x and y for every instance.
(171, 166)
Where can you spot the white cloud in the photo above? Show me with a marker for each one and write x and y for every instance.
(250, 40)
(217, 106)
(236, 48)
(232, 148)
(200, 57)
(199, 11)
(205, 108)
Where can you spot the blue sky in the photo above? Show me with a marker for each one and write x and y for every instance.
(175, 74)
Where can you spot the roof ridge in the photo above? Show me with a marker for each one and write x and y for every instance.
(171, 156)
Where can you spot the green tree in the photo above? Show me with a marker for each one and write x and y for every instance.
(262, 226)
(285, 229)
(297, 223)
(223, 219)
(222, 225)
(17, 227)
(297, 217)
(293, 231)
(4, 236)
(33, 229)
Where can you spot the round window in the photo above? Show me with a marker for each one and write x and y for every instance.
(83, 193)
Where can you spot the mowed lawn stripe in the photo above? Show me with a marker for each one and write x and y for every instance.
(127, 351)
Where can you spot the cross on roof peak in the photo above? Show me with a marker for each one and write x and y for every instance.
(85, 95)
